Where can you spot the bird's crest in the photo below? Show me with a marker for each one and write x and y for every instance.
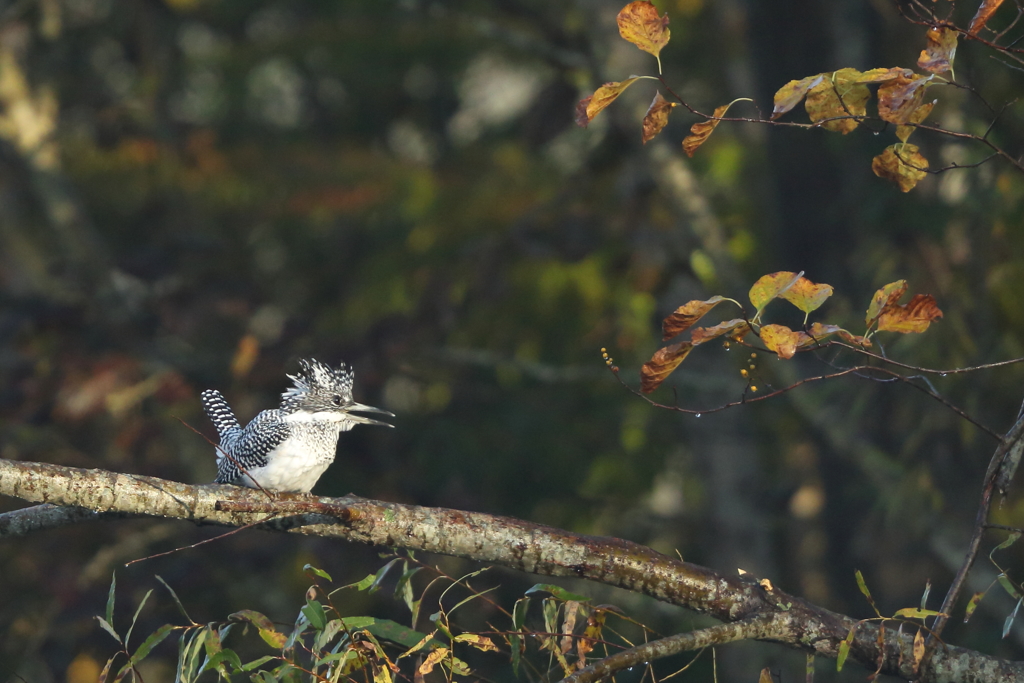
(316, 378)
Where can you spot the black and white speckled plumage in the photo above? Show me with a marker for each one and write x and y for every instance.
(288, 448)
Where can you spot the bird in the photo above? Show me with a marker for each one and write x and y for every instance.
(287, 449)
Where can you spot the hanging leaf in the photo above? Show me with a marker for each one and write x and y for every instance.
(855, 339)
(640, 24)
(844, 647)
(937, 57)
(656, 117)
(661, 365)
(686, 315)
(916, 613)
(918, 648)
(884, 298)
(790, 95)
(920, 114)
(902, 164)
(915, 316)
(589, 107)
(702, 130)
(900, 97)
(806, 295)
(981, 17)
(780, 339)
(770, 286)
(817, 334)
(972, 605)
(835, 96)
(736, 329)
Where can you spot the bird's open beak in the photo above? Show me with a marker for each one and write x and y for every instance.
(359, 407)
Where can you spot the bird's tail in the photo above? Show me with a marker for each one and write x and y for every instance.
(220, 412)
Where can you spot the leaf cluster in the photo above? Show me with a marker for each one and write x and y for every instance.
(834, 101)
(884, 314)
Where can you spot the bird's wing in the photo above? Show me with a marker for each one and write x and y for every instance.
(252, 446)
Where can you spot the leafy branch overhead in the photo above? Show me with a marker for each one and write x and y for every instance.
(884, 314)
(835, 101)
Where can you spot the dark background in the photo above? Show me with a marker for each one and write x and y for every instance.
(204, 191)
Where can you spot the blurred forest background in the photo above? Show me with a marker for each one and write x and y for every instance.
(196, 193)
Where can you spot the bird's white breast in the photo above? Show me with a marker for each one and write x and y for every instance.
(291, 468)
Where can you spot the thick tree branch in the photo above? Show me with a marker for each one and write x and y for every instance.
(497, 540)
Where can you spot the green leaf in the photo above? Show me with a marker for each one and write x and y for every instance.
(249, 666)
(558, 592)
(1009, 620)
(325, 636)
(972, 605)
(519, 613)
(108, 628)
(844, 647)
(362, 585)
(1008, 542)
(381, 573)
(154, 639)
(388, 630)
(314, 612)
(864, 589)
(1008, 586)
(136, 617)
(109, 614)
(404, 587)
(310, 569)
(177, 601)
(218, 660)
(916, 613)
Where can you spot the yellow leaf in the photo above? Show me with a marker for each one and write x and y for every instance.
(640, 24)
(656, 117)
(245, 356)
(806, 295)
(430, 662)
(902, 164)
(481, 643)
(883, 75)
(771, 286)
(835, 96)
(661, 365)
(790, 95)
(589, 107)
(885, 297)
(913, 317)
(919, 115)
(938, 56)
(766, 676)
(780, 339)
(686, 315)
(918, 648)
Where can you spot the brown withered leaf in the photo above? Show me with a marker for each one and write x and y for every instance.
(838, 94)
(900, 97)
(700, 132)
(915, 316)
(885, 297)
(770, 286)
(589, 107)
(661, 365)
(806, 295)
(920, 114)
(686, 315)
(640, 24)
(981, 17)
(734, 329)
(766, 676)
(790, 95)
(855, 339)
(902, 164)
(656, 117)
(937, 57)
(780, 339)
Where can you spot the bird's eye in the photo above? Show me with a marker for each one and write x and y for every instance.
(337, 399)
